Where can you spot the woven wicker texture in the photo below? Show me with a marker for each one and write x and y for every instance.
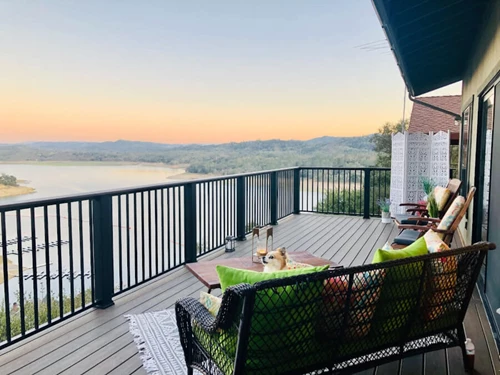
(338, 321)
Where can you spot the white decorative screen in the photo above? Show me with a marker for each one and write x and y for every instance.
(398, 156)
(416, 156)
(440, 158)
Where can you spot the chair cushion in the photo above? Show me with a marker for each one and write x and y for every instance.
(407, 237)
(452, 213)
(441, 194)
(403, 219)
(229, 276)
(434, 242)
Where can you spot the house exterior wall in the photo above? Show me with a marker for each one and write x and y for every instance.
(482, 68)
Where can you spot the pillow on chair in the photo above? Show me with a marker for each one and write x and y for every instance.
(434, 242)
(211, 303)
(452, 213)
(442, 195)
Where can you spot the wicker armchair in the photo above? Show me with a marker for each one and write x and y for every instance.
(337, 321)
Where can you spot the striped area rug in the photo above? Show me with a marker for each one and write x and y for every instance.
(157, 339)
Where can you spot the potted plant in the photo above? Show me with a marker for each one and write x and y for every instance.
(432, 207)
(385, 210)
(428, 186)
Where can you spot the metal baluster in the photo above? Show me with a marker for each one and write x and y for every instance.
(168, 229)
(162, 193)
(156, 231)
(33, 260)
(136, 243)
(47, 263)
(143, 240)
(6, 277)
(71, 267)
(120, 264)
(174, 196)
(127, 218)
(92, 264)
(82, 257)
(150, 235)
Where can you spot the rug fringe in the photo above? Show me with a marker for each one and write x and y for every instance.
(148, 362)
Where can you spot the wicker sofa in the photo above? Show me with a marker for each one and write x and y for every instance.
(336, 321)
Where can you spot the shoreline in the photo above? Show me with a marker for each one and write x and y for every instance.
(75, 163)
(13, 191)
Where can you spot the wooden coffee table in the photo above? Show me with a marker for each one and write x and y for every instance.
(205, 270)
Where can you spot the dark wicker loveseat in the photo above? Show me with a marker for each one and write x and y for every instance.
(338, 321)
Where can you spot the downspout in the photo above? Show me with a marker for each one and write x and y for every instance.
(457, 116)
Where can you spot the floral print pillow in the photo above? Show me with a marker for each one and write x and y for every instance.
(434, 242)
(450, 215)
(442, 195)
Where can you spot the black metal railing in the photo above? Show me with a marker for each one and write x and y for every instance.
(64, 255)
(344, 191)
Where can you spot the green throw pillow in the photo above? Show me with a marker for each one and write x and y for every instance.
(229, 276)
(419, 247)
(399, 294)
(271, 328)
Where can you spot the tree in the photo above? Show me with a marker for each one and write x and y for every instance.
(383, 141)
(8, 180)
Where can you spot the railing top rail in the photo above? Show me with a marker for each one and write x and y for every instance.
(136, 189)
(349, 169)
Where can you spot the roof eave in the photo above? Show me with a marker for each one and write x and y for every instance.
(381, 12)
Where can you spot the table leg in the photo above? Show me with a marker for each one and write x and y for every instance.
(209, 290)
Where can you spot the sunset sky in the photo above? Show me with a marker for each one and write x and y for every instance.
(194, 71)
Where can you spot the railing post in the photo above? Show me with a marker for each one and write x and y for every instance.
(296, 191)
(366, 197)
(240, 209)
(190, 222)
(274, 198)
(102, 218)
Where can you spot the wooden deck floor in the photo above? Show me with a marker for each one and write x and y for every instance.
(98, 342)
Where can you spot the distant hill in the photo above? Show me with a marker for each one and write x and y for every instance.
(117, 146)
(222, 158)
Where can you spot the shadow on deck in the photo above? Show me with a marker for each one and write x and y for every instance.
(98, 342)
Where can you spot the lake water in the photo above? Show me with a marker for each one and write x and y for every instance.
(57, 180)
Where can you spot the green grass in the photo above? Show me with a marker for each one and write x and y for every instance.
(29, 313)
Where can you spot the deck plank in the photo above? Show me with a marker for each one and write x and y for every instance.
(412, 365)
(132, 365)
(435, 363)
(388, 368)
(98, 341)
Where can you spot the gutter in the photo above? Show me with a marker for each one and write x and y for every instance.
(457, 116)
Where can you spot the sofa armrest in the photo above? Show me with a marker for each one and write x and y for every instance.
(193, 309)
(190, 308)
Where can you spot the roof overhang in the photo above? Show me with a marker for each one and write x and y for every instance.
(431, 39)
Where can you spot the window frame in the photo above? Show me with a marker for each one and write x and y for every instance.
(464, 165)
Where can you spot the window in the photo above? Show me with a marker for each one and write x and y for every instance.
(465, 148)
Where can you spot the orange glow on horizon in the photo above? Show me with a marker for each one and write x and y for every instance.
(58, 119)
